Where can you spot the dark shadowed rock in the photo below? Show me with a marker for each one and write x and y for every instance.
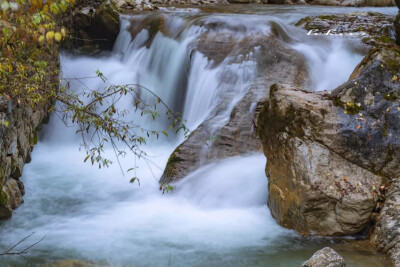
(397, 28)
(95, 26)
(326, 257)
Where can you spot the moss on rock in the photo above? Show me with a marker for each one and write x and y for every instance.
(3, 198)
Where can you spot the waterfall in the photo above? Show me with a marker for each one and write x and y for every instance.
(196, 62)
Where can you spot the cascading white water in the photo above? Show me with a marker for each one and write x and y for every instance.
(217, 216)
(327, 66)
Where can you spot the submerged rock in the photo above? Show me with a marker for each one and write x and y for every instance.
(328, 153)
(326, 257)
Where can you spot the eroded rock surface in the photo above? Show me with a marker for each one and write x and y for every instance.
(326, 257)
(369, 24)
(214, 139)
(328, 153)
(386, 234)
(18, 135)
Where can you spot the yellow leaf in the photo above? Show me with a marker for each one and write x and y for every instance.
(49, 36)
(41, 39)
(57, 37)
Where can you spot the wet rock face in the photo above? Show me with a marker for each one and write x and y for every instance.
(212, 140)
(375, 94)
(326, 257)
(386, 233)
(17, 138)
(369, 24)
(96, 26)
(327, 153)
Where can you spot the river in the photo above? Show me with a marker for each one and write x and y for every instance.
(217, 215)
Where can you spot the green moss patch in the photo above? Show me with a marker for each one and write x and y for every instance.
(3, 198)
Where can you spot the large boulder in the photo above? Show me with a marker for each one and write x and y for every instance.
(328, 153)
(326, 257)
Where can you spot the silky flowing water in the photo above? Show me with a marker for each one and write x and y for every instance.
(217, 216)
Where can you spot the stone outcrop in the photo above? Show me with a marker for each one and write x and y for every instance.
(329, 153)
(95, 26)
(369, 24)
(18, 135)
(386, 233)
(211, 140)
(352, 2)
(326, 257)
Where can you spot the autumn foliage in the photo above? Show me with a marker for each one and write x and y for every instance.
(29, 35)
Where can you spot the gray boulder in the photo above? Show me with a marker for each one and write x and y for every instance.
(326, 257)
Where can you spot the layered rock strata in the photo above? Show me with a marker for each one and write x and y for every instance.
(18, 135)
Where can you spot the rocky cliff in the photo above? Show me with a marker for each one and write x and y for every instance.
(18, 135)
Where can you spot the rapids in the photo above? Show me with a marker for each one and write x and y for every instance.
(217, 216)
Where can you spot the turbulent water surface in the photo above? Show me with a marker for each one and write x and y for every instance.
(217, 216)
